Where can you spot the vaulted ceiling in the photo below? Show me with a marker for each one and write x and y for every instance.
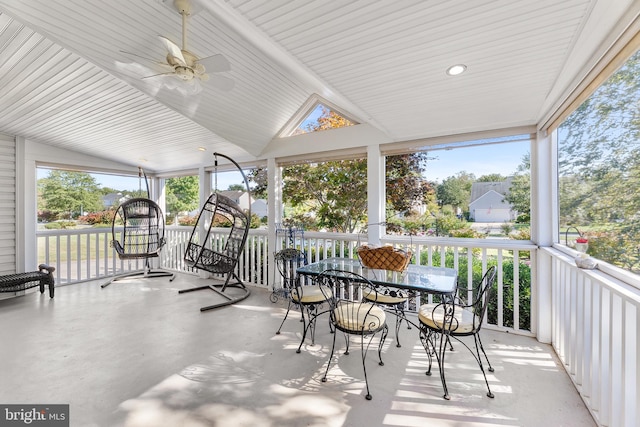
(65, 80)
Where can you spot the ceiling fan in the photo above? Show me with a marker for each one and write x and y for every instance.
(185, 66)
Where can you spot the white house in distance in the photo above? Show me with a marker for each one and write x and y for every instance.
(242, 198)
(113, 200)
(488, 204)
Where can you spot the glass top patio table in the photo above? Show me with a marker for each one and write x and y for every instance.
(422, 278)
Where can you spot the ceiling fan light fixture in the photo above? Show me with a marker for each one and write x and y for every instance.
(456, 70)
(184, 73)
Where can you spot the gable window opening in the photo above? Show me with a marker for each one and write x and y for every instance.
(321, 118)
(317, 114)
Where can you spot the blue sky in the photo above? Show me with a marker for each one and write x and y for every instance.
(480, 160)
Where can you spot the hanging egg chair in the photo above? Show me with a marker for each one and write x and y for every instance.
(137, 231)
(220, 253)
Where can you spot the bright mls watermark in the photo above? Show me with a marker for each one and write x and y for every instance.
(34, 415)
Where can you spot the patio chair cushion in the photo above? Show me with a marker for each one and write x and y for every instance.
(381, 298)
(359, 317)
(310, 294)
(432, 315)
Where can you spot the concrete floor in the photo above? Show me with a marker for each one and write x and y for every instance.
(137, 354)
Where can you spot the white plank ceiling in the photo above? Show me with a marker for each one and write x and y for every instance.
(64, 80)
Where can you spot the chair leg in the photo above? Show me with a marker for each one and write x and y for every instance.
(363, 355)
(365, 349)
(333, 347)
(479, 360)
(305, 328)
(346, 342)
(309, 324)
(429, 348)
(383, 338)
(398, 323)
(485, 354)
(428, 338)
(285, 317)
(398, 310)
(312, 315)
(444, 339)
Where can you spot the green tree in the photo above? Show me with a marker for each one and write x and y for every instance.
(456, 190)
(598, 167)
(492, 177)
(182, 194)
(519, 195)
(69, 193)
(406, 187)
(335, 191)
(260, 179)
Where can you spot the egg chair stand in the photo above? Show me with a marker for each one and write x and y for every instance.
(220, 254)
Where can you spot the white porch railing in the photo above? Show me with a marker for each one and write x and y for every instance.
(86, 254)
(596, 327)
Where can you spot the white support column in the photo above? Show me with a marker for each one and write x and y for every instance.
(26, 209)
(274, 207)
(544, 227)
(204, 179)
(375, 194)
(161, 194)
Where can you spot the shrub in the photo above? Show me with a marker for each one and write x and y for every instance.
(466, 232)
(506, 228)
(616, 247)
(187, 220)
(524, 297)
(95, 218)
(47, 216)
(521, 234)
(524, 291)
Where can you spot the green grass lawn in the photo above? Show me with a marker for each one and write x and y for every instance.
(74, 248)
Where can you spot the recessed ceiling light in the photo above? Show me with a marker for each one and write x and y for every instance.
(457, 69)
(202, 149)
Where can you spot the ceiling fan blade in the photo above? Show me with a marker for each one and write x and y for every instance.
(221, 82)
(215, 63)
(146, 59)
(195, 88)
(185, 88)
(173, 50)
(160, 74)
